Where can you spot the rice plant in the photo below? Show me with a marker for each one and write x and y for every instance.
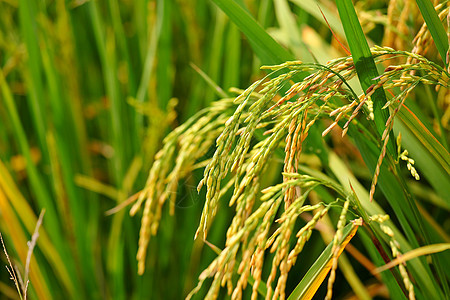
(261, 126)
(225, 149)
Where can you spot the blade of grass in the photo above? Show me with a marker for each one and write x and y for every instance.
(106, 53)
(264, 18)
(389, 185)
(312, 280)
(428, 194)
(349, 181)
(388, 279)
(217, 89)
(231, 74)
(426, 250)
(366, 69)
(344, 263)
(311, 6)
(431, 157)
(117, 23)
(164, 68)
(97, 186)
(435, 27)
(267, 49)
(364, 64)
(33, 80)
(149, 62)
(437, 113)
(290, 29)
(141, 20)
(216, 53)
(415, 124)
(67, 69)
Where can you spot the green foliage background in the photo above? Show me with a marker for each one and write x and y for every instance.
(89, 90)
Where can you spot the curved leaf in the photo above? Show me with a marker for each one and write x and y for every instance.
(308, 286)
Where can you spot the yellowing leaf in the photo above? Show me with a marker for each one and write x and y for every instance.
(308, 286)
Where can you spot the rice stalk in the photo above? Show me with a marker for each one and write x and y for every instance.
(239, 162)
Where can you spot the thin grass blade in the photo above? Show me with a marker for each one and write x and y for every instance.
(435, 26)
(413, 254)
(308, 286)
(431, 157)
(267, 49)
(364, 63)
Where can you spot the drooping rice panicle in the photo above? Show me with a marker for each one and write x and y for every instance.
(238, 162)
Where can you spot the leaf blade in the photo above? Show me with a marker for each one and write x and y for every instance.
(364, 63)
(267, 49)
(435, 27)
(319, 270)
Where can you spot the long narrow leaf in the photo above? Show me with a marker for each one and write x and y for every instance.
(395, 189)
(364, 63)
(414, 253)
(349, 181)
(267, 49)
(435, 26)
(431, 157)
(389, 185)
(312, 8)
(319, 270)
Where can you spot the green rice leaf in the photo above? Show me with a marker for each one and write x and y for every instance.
(435, 26)
(364, 63)
(308, 286)
(267, 49)
(431, 157)
(312, 8)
